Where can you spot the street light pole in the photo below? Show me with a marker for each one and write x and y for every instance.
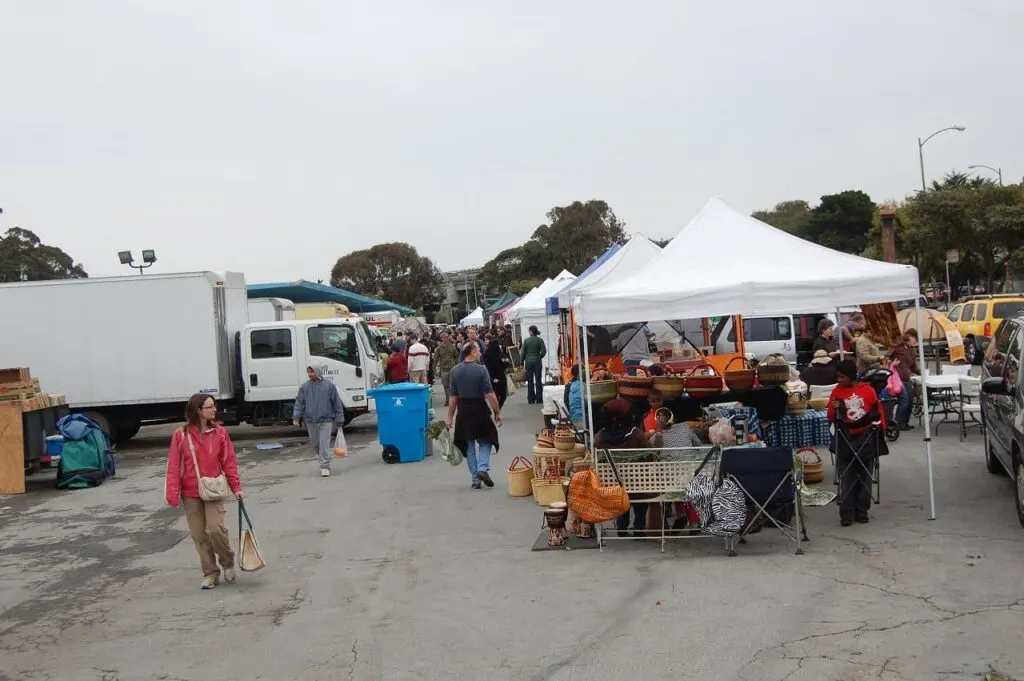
(920, 150)
(997, 171)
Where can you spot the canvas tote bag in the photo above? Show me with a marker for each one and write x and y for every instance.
(250, 559)
(210, 489)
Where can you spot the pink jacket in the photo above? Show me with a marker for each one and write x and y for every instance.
(214, 452)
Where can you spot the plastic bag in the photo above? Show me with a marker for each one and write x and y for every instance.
(722, 433)
(449, 452)
(340, 446)
(894, 386)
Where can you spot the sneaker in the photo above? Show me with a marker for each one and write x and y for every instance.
(846, 522)
(485, 477)
(863, 518)
(229, 575)
(476, 485)
(208, 583)
(325, 472)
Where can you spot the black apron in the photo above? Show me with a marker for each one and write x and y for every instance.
(473, 422)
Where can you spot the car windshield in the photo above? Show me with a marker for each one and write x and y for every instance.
(1007, 308)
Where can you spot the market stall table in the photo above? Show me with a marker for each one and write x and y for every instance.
(810, 429)
(943, 386)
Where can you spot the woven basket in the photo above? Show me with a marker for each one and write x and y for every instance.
(699, 385)
(773, 374)
(546, 439)
(796, 404)
(520, 475)
(565, 439)
(740, 379)
(547, 491)
(669, 386)
(602, 391)
(518, 376)
(814, 469)
(634, 386)
(818, 404)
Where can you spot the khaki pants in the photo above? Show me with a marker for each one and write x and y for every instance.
(418, 376)
(206, 526)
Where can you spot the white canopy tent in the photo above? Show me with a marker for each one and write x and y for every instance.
(637, 252)
(725, 262)
(530, 311)
(474, 318)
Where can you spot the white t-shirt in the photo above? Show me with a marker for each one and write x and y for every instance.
(637, 348)
(419, 357)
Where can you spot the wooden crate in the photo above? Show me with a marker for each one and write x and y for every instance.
(15, 375)
(12, 449)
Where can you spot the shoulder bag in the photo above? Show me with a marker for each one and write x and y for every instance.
(210, 489)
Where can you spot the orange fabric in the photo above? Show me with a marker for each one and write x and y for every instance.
(594, 503)
(650, 421)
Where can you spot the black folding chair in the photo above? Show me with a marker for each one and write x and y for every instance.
(767, 477)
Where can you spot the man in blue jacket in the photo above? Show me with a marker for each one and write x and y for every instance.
(318, 406)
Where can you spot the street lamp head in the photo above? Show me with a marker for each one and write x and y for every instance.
(125, 257)
(959, 128)
(149, 257)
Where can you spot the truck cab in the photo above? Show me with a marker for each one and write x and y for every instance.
(274, 357)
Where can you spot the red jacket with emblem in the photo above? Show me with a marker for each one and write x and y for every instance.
(215, 454)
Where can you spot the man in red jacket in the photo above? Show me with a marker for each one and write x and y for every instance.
(398, 367)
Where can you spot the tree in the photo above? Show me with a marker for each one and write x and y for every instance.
(787, 215)
(393, 271)
(841, 222)
(23, 257)
(983, 220)
(574, 237)
(661, 243)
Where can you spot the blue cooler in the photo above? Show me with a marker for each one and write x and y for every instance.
(402, 418)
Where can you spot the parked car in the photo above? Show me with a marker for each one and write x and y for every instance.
(978, 317)
(1002, 406)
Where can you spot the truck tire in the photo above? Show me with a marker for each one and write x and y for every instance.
(348, 418)
(126, 431)
(101, 420)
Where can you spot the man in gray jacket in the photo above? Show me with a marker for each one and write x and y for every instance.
(318, 405)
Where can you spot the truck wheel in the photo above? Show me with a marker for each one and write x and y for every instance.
(390, 454)
(103, 422)
(126, 431)
(348, 418)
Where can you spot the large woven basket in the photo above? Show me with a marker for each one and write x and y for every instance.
(634, 386)
(602, 391)
(520, 476)
(773, 374)
(796, 404)
(740, 379)
(810, 460)
(547, 491)
(700, 384)
(818, 404)
(669, 386)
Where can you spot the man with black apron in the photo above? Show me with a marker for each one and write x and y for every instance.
(475, 432)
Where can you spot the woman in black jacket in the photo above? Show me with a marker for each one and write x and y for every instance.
(495, 363)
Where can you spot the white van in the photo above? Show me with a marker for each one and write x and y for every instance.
(791, 336)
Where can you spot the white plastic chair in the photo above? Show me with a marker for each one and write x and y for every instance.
(970, 404)
(956, 370)
(820, 391)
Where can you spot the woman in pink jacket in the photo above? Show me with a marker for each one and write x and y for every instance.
(215, 455)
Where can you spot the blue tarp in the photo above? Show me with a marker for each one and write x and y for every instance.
(302, 291)
(551, 303)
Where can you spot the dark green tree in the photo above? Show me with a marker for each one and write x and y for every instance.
(393, 271)
(787, 215)
(23, 257)
(841, 222)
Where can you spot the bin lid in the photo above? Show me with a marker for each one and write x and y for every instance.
(397, 388)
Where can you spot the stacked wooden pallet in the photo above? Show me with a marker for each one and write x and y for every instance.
(18, 388)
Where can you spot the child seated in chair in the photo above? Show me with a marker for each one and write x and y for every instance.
(674, 435)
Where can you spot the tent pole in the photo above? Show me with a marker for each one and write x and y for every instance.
(927, 416)
(585, 375)
(839, 330)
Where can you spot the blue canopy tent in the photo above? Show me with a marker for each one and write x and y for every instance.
(552, 301)
(303, 291)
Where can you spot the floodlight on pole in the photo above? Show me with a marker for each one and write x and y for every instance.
(148, 258)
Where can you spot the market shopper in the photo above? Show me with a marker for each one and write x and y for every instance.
(855, 408)
(495, 363)
(620, 433)
(446, 357)
(318, 407)
(904, 362)
(573, 398)
(826, 340)
(533, 352)
(472, 336)
(201, 441)
(419, 360)
(470, 414)
(867, 353)
(397, 370)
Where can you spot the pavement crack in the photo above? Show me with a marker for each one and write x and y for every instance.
(927, 600)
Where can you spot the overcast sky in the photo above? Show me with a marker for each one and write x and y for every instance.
(273, 137)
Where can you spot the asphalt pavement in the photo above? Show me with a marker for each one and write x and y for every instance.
(404, 572)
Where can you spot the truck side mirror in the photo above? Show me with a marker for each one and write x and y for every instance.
(359, 372)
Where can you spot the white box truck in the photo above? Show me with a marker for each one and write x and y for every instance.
(131, 350)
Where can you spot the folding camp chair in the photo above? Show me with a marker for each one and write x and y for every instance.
(768, 480)
(863, 452)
